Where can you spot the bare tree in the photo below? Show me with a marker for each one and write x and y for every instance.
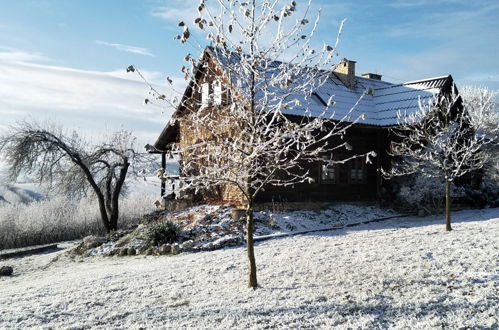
(445, 138)
(258, 122)
(66, 163)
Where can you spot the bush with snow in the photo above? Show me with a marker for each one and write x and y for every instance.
(424, 193)
(61, 218)
(163, 233)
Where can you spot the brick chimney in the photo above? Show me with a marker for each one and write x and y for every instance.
(345, 71)
(372, 76)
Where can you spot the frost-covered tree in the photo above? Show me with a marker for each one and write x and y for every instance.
(445, 138)
(67, 164)
(257, 124)
(481, 102)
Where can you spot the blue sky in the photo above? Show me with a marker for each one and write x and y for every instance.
(65, 60)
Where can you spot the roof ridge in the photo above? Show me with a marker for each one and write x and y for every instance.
(426, 79)
(414, 82)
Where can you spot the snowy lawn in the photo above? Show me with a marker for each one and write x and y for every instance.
(402, 273)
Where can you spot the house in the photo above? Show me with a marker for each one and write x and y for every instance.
(367, 94)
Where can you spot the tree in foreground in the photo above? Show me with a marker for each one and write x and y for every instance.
(68, 165)
(256, 123)
(445, 138)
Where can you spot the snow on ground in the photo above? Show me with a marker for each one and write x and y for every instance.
(211, 227)
(402, 273)
(289, 222)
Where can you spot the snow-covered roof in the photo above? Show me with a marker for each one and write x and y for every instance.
(379, 102)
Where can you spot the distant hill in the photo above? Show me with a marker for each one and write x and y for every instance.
(26, 193)
(19, 193)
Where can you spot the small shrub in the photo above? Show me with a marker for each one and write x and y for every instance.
(163, 233)
(266, 218)
(422, 193)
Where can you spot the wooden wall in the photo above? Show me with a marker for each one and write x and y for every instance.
(363, 140)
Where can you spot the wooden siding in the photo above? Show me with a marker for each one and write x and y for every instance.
(362, 140)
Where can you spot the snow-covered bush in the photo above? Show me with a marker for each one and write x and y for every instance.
(422, 194)
(425, 194)
(60, 218)
(163, 233)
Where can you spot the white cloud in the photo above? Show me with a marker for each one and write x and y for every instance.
(92, 102)
(126, 48)
(177, 10)
(8, 54)
(187, 14)
(154, 77)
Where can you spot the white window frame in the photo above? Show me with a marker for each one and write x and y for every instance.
(217, 92)
(205, 95)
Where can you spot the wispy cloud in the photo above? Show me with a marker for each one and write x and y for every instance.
(126, 48)
(9, 54)
(176, 11)
(187, 13)
(89, 101)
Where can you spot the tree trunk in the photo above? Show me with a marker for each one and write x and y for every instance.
(113, 220)
(103, 213)
(447, 205)
(113, 213)
(115, 196)
(252, 282)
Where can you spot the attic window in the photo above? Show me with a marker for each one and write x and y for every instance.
(217, 92)
(205, 95)
(211, 94)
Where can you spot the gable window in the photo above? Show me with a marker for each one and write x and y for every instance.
(357, 171)
(328, 173)
(211, 94)
(205, 95)
(217, 92)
